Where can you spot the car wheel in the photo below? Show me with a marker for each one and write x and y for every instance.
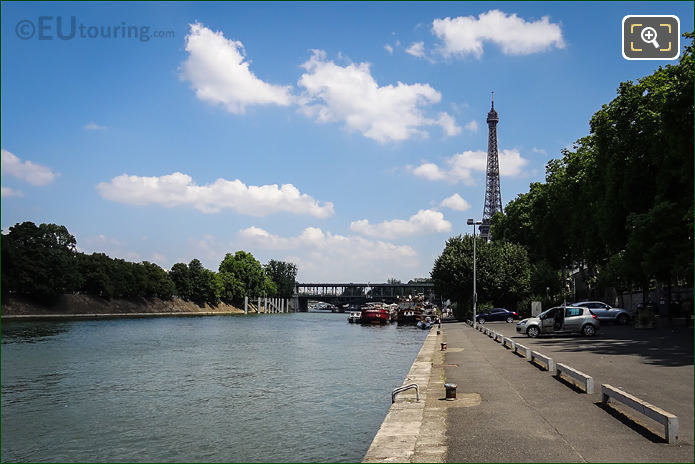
(510, 319)
(481, 320)
(622, 319)
(589, 330)
(533, 331)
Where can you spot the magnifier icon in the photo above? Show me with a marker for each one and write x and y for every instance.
(648, 34)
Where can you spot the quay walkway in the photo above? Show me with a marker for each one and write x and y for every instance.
(509, 410)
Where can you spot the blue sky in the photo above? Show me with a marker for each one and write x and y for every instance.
(349, 138)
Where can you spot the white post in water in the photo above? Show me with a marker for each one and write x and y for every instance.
(258, 308)
(265, 304)
(246, 305)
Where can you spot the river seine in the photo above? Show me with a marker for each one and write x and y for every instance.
(281, 387)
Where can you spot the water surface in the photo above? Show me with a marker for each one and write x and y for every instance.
(282, 387)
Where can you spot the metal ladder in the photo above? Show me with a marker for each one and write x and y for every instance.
(404, 388)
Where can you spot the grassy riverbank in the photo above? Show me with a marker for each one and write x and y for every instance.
(89, 305)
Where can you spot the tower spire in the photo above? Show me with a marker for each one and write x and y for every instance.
(493, 197)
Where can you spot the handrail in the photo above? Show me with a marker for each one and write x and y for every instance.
(404, 388)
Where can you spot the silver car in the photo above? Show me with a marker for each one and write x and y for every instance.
(560, 320)
(606, 312)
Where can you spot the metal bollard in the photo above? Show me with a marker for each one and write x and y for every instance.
(450, 391)
(443, 346)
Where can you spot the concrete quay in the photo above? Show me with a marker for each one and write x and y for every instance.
(415, 431)
(510, 410)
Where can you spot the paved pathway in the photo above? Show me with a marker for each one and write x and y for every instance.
(509, 410)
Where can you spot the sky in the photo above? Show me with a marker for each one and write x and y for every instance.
(348, 138)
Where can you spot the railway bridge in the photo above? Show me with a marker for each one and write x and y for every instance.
(359, 293)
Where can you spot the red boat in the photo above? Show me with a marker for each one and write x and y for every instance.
(376, 315)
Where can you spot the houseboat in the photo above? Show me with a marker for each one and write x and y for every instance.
(373, 313)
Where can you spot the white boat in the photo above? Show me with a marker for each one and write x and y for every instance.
(355, 316)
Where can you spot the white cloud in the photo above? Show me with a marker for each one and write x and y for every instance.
(350, 94)
(464, 36)
(324, 256)
(448, 123)
(423, 222)
(35, 174)
(455, 202)
(460, 167)
(429, 171)
(178, 189)
(219, 73)
(472, 126)
(416, 49)
(389, 49)
(8, 192)
(91, 126)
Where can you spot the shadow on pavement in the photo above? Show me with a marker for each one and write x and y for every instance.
(664, 346)
(631, 423)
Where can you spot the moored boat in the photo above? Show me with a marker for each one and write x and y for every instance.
(355, 316)
(375, 314)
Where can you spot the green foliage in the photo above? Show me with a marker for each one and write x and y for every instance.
(39, 260)
(42, 261)
(205, 286)
(284, 276)
(619, 205)
(248, 271)
(181, 277)
(502, 268)
(231, 288)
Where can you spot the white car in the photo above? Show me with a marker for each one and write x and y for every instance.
(560, 320)
(606, 313)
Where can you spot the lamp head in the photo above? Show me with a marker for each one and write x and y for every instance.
(470, 222)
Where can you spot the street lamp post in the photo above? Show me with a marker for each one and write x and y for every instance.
(472, 222)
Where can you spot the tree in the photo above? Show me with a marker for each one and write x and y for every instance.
(231, 288)
(205, 286)
(157, 282)
(39, 260)
(96, 270)
(284, 276)
(618, 206)
(181, 277)
(247, 270)
(503, 273)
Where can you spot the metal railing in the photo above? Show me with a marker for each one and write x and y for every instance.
(404, 388)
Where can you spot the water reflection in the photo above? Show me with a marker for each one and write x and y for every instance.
(31, 332)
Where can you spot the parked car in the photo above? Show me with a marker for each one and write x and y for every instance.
(560, 320)
(606, 313)
(497, 314)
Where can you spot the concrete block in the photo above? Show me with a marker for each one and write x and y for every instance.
(547, 360)
(668, 420)
(586, 380)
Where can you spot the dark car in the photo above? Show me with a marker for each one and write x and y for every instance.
(497, 314)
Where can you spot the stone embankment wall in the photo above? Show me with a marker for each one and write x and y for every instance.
(74, 305)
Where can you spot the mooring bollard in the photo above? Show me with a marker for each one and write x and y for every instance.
(450, 391)
(443, 346)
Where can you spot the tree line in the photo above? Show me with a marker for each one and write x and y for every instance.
(617, 207)
(42, 261)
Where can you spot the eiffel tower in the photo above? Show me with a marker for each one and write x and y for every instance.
(493, 197)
